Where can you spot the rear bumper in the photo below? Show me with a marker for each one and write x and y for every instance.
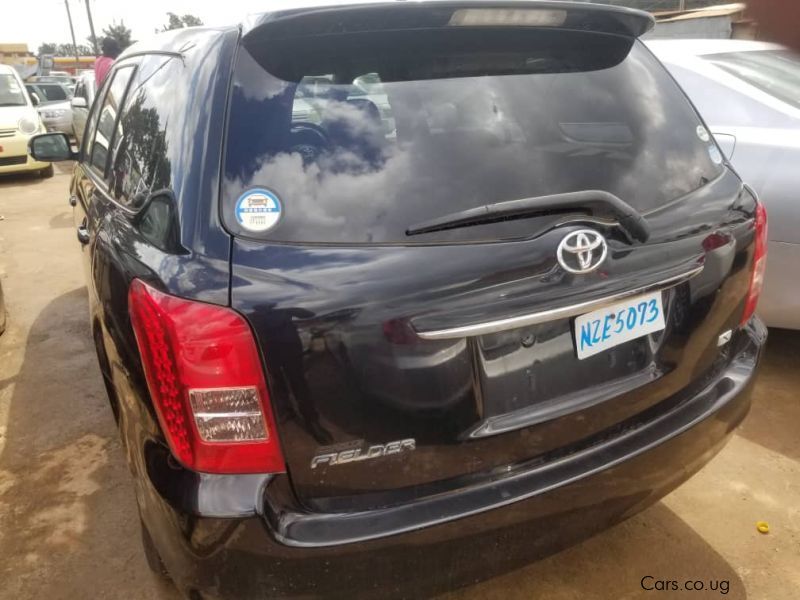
(532, 511)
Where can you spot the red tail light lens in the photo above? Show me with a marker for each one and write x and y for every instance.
(206, 381)
(759, 264)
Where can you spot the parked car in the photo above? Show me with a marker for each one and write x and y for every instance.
(60, 77)
(85, 90)
(56, 116)
(557, 250)
(749, 94)
(49, 92)
(53, 105)
(18, 122)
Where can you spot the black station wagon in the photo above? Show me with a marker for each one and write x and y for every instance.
(392, 297)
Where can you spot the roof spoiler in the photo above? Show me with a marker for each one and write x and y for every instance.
(314, 20)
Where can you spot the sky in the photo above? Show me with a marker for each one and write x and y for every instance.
(36, 21)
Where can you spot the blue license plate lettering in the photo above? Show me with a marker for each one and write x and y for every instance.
(622, 322)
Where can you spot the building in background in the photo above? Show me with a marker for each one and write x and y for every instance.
(723, 21)
(19, 57)
(694, 18)
(28, 64)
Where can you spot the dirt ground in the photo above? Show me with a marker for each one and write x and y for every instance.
(68, 522)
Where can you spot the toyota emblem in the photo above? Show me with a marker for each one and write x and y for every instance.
(582, 251)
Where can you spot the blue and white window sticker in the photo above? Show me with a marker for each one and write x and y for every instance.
(258, 210)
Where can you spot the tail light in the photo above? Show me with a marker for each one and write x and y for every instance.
(206, 381)
(759, 264)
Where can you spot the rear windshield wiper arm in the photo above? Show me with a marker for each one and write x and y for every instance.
(595, 202)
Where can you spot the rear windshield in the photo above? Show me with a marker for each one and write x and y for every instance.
(776, 72)
(354, 139)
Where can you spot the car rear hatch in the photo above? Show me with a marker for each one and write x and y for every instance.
(426, 198)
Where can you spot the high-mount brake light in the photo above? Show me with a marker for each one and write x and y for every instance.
(508, 17)
(206, 381)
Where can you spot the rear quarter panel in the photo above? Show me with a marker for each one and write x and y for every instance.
(189, 112)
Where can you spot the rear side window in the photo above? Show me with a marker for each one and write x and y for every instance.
(106, 120)
(80, 91)
(54, 92)
(359, 138)
(140, 163)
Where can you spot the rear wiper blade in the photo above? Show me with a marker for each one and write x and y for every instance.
(595, 202)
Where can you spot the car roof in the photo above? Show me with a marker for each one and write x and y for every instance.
(7, 69)
(701, 47)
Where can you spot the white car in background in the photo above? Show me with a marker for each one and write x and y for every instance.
(18, 122)
(749, 96)
(53, 103)
(85, 89)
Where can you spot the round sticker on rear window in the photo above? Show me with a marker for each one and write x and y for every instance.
(258, 210)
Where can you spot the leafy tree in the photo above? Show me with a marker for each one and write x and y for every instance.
(119, 32)
(64, 49)
(191, 20)
(178, 22)
(46, 48)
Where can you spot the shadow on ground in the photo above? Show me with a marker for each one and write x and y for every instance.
(656, 543)
(17, 179)
(775, 417)
(68, 522)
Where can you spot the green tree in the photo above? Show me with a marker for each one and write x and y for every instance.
(46, 48)
(178, 22)
(119, 32)
(191, 20)
(63, 49)
(69, 50)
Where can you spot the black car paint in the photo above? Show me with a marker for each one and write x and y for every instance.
(240, 558)
(361, 294)
(234, 535)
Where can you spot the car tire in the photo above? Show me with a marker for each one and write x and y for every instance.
(152, 556)
(47, 172)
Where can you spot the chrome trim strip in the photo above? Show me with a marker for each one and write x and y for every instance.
(555, 313)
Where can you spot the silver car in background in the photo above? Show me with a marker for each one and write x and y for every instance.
(85, 89)
(53, 103)
(749, 95)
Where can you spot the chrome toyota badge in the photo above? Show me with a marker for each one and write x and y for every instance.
(582, 251)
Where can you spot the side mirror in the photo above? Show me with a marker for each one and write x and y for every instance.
(51, 147)
(78, 102)
(35, 99)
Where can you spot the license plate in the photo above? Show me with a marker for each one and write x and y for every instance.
(611, 326)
